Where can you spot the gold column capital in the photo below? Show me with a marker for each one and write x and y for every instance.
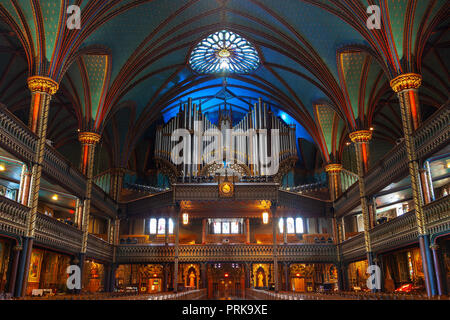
(360, 136)
(88, 137)
(42, 84)
(333, 167)
(406, 81)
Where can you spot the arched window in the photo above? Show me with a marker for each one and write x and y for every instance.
(152, 226)
(299, 225)
(280, 225)
(290, 225)
(170, 226)
(161, 226)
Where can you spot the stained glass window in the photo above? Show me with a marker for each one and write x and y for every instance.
(234, 227)
(152, 226)
(161, 226)
(226, 228)
(290, 225)
(299, 225)
(217, 227)
(280, 225)
(170, 226)
(224, 51)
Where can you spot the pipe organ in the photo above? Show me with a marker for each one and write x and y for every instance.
(249, 148)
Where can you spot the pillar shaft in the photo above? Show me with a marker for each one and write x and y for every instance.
(42, 89)
(361, 141)
(88, 142)
(406, 86)
(177, 243)
(275, 253)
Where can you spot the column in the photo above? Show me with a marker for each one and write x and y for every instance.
(166, 277)
(284, 230)
(42, 89)
(273, 208)
(361, 140)
(117, 175)
(204, 222)
(203, 274)
(247, 231)
(334, 179)
(177, 243)
(440, 278)
(88, 142)
(286, 276)
(13, 275)
(406, 86)
(24, 188)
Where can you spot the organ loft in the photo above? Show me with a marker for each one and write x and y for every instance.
(224, 150)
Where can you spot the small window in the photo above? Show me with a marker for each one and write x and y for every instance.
(170, 226)
(152, 226)
(217, 227)
(226, 228)
(299, 225)
(161, 226)
(290, 225)
(234, 227)
(280, 225)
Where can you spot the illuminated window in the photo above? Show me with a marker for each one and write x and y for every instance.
(170, 226)
(152, 226)
(161, 226)
(217, 227)
(224, 51)
(226, 227)
(290, 225)
(299, 225)
(280, 225)
(234, 227)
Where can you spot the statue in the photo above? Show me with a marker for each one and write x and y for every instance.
(192, 279)
(260, 279)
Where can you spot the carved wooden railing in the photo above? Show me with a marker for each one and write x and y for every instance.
(432, 135)
(353, 248)
(99, 248)
(56, 234)
(397, 232)
(437, 215)
(15, 137)
(224, 253)
(12, 217)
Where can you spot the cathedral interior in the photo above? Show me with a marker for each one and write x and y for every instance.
(224, 149)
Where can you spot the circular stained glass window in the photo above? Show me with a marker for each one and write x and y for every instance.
(224, 51)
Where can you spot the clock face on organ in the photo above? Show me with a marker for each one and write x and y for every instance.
(226, 189)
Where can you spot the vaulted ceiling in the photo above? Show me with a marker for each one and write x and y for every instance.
(128, 64)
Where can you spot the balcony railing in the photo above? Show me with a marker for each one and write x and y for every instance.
(397, 232)
(437, 215)
(55, 234)
(228, 252)
(99, 248)
(13, 217)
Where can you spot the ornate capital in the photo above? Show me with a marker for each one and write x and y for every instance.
(406, 81)
(333, 167)
(42, 84)
(88, 137)
(434, 246)
(360, 136)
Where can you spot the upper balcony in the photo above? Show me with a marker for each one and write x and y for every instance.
(432, 136)
(18, 140)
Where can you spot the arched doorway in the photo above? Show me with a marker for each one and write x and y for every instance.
(226, 281)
